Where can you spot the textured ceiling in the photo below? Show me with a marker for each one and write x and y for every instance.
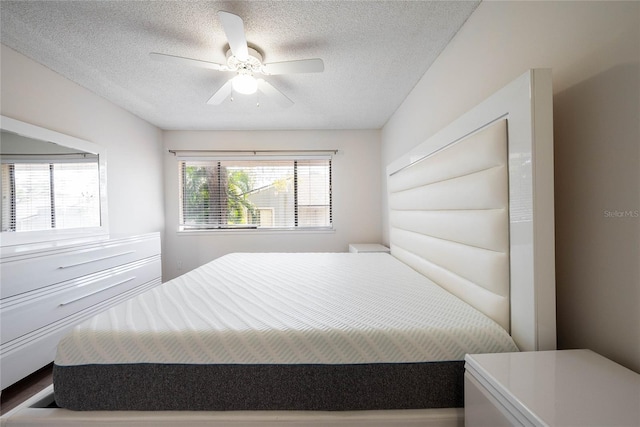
(374, 53)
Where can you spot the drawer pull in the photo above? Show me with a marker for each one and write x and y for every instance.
(62, 304)
(95, 260)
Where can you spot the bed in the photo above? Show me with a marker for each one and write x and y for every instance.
(373, 338)
(299, 331)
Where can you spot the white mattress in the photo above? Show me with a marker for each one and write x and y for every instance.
(268, 308)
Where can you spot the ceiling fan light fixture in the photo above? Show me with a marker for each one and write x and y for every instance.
(244, 83)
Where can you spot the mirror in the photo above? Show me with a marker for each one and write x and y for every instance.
(52, 186)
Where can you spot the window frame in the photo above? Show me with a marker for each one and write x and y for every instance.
(252, 155)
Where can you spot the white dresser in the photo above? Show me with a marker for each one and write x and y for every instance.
(47, 288)
(549, 388)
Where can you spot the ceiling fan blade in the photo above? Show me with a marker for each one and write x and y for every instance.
(187, 61)
(290, 67)
(221, 94)
(234, 29)
(268, 90)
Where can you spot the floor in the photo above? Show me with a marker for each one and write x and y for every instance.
(17, 393)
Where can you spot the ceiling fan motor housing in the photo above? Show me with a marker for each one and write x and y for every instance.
(253, 63)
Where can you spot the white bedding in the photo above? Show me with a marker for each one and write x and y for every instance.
(268, 308)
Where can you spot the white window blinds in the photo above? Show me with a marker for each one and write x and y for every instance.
(255, 193)
(41, 196)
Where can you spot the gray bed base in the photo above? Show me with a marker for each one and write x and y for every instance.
(176, 387)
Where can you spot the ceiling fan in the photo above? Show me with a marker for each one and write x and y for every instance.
(246, 62)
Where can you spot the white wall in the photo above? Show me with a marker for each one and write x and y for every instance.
(34, 94)
(356, 195)
(593, 49)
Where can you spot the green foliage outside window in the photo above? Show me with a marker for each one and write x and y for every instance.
(206, 203)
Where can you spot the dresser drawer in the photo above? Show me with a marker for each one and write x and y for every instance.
(63, 264)
(32, 310)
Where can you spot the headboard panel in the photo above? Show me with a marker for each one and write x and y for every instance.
(472, 209)
(449, 219)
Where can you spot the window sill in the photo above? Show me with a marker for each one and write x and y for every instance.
(254, 231)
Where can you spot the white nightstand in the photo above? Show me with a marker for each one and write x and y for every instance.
(549, 388)
(367, 247)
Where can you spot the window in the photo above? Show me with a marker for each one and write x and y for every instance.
(255, 193)
(42, 196)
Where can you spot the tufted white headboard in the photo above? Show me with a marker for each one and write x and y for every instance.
(449, 219)
(471, 208)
